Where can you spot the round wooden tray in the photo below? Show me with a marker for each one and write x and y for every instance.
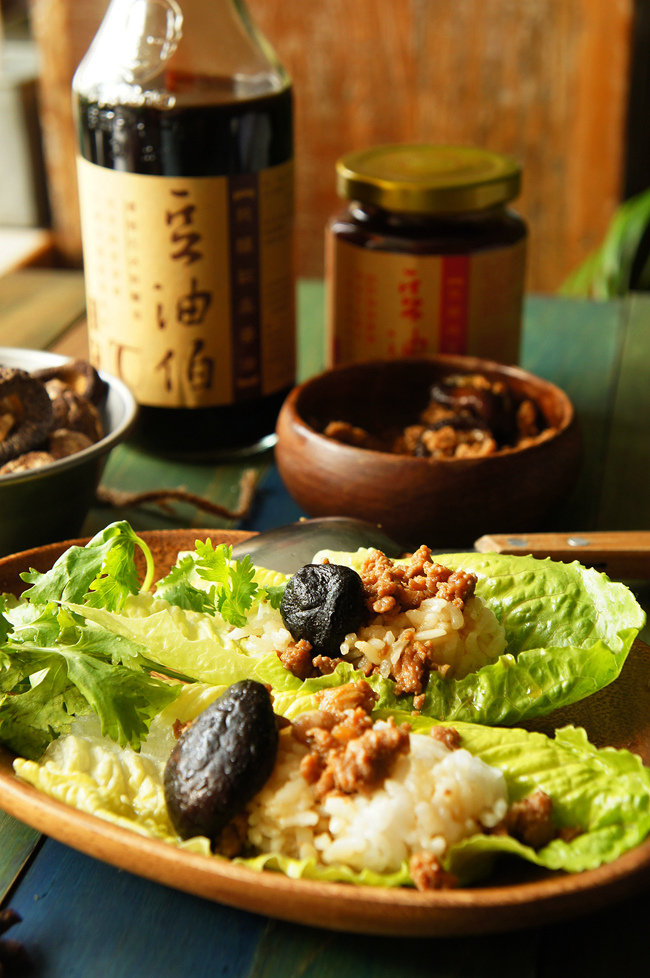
(532, 897)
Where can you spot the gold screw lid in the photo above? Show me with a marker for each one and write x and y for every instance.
(428, 179)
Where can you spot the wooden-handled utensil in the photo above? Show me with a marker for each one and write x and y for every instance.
(622, 554)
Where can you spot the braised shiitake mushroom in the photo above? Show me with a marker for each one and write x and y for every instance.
(468, 415)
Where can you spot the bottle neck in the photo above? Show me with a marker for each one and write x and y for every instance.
(159, 51)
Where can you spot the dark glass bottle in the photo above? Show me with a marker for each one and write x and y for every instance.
(185, 174)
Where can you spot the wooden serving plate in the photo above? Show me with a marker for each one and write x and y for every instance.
(618, 716)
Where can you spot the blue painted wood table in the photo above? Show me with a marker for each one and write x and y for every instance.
(84, 918)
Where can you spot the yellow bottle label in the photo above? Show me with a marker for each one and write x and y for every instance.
(385, 304)
(189, 283)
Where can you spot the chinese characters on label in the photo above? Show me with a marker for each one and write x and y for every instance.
(188, 308)
(245, 284)
(410, 306)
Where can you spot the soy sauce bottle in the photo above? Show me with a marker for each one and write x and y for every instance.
(185, 170)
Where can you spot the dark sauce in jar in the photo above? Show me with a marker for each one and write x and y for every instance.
(188, 140)
(195, 139)
(371, 227)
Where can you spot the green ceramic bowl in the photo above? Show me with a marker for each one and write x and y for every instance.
(50, 503)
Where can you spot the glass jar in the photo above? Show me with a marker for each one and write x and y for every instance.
(426, 257)
(185, 167)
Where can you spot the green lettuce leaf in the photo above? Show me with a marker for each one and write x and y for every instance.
(209, 657)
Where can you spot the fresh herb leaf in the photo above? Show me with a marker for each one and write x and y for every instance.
(5, 625)
(58, 667)
(177, 589)
(118, 578)
(213, 562)
(233, 589)
(273, 594)
(29, 720)
(234, 580)
(233, 601)
(104, 567)
(125, 700)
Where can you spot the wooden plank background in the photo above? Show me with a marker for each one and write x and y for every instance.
(544, 80)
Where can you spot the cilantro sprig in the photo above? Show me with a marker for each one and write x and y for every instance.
(101, 574)
(58, 667)
(56, 664)
(233, 587)
(234, 582)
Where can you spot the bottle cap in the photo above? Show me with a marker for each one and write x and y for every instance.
(428, 179)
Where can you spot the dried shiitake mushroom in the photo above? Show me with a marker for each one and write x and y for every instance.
(27, 461)
(64, 442)
(27, 402)
(48, 414)
(74, 412)
(78, 376)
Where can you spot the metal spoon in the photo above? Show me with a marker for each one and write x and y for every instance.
(288, 548)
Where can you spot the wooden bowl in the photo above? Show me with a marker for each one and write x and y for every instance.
(444, 502)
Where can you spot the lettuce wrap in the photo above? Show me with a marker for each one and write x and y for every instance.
(605, 793)
(568, 629)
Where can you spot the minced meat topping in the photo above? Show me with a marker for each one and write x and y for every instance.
(392, 588)
(297, 659)
(347, 752)
(427, 873)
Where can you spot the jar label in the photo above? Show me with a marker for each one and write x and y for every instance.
(388, 304)
(189, 283)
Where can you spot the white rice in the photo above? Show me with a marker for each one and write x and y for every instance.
(434, 798)
(462, 640)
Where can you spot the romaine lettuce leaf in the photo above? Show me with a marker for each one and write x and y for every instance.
(209, 657)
